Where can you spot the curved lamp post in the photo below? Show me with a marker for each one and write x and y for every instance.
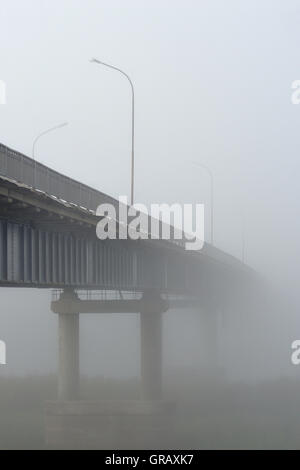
(132, 119)
(63, 124)
(46, 132)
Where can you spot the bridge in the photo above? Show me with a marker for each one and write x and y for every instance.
(48, 240)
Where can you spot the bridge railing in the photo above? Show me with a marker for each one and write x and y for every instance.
(25, 170)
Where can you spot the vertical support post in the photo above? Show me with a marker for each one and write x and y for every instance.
(68, 352)
(151, 345)
(68, 370)
(151, 355)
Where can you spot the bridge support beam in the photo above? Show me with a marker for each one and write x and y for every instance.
(68, 352)
(75, 424)
(151, 307)
(151, 356)
(151, 346)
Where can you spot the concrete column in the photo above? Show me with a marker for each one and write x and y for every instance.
(68, 353)
(151, 345)
(151, 356)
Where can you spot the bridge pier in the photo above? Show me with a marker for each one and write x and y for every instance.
(68, 351)
(151, 307)
(151, 345)
(151, 355)
(143, 423)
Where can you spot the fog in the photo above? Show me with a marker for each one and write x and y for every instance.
(212, 86)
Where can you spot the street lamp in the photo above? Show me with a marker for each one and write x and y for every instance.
(35, 142)
(210, 173)
(132, 120)
(43, 133)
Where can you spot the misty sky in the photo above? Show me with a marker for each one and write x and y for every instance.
(213, 85)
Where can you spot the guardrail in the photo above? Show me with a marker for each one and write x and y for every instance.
(25, 170)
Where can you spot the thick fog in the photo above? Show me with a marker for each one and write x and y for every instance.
(212, 86)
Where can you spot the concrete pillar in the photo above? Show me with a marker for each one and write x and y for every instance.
(151, 356)
(151, 345)
(68, 353)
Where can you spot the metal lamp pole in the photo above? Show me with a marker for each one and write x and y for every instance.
(132, 120)
(43, 133)
(37, 138)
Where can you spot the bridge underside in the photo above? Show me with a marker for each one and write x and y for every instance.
(49, 243)
(45, 258)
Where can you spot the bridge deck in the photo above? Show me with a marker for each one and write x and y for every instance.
(48, 239)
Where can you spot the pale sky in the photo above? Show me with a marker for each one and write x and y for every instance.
(213, 84)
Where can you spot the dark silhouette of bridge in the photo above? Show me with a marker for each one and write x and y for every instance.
(48, 240)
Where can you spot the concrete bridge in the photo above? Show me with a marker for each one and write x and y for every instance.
(48, 240)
